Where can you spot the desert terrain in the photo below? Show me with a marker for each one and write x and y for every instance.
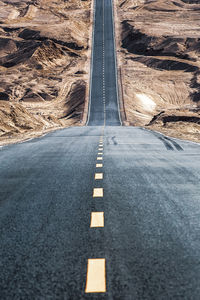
(45, 48)
(159, 64)
(44, 65)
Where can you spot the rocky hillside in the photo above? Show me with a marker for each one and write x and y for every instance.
(159, 60)
(43, 65)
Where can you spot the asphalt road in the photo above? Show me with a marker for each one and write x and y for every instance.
(150, 239)
(103, 108)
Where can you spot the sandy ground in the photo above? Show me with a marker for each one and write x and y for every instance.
(158, 63)
(45, 51)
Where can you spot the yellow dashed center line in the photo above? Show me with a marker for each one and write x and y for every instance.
(97, 219)
(96, 276)
(96, 268)
(98, 176)
(98, 192)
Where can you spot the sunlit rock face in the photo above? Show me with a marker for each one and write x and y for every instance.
(159, 57)
(44, 64)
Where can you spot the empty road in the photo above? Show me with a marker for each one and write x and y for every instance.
(103, 108)
(101, 211)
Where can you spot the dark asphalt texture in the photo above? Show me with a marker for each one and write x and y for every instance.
(103, 56)
(151, 238)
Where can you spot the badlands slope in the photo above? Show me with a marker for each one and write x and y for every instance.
(159, 64)
(43, 65)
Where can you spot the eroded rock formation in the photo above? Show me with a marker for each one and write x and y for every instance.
(43, 65)
(159, 60)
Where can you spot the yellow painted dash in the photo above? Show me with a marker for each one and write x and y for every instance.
(98, 176)
(99, 165)
(97, 219)
(96, 276)
(98, 192)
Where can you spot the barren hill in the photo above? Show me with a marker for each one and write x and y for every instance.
(159, 59)
(43, 65)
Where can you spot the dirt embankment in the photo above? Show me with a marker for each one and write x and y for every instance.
(44, 54)
(159, 62)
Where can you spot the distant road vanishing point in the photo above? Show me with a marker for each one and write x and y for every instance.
(101, 211)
